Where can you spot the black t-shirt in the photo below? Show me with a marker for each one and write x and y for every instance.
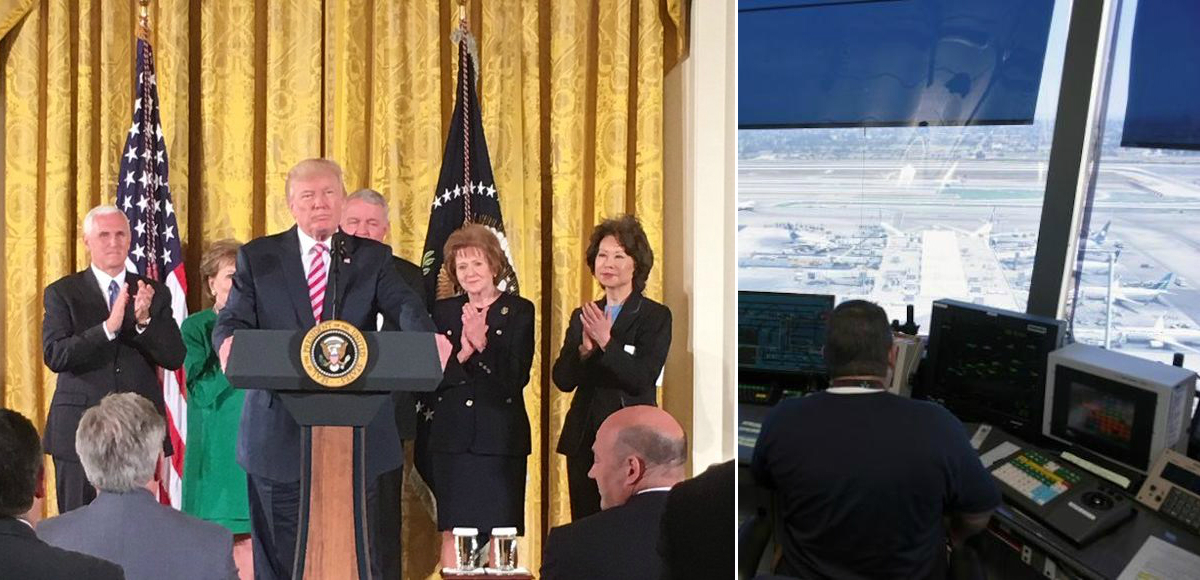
(862, 481)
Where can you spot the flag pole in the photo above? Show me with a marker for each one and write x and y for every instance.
(144, 19)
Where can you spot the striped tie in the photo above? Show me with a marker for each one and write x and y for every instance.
(316, 280)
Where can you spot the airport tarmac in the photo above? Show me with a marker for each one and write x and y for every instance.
(987, 215)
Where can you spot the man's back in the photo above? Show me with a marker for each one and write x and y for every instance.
(145, 538)
(25, 556)
(619, 542)
(861, 482)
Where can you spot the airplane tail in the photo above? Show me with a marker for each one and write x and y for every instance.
(1101, 235)
(1165, 282)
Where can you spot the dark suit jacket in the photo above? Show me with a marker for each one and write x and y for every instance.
(696, 522)
(24, 556)
(270, 291)
(149, 540)
(618, 542)
(479, 407)
(406, 411)
(90, 366)
(621, 375)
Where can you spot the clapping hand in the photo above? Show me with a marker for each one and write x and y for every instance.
(596, 324)
(141, 303)
(475, 327)
(117, 315)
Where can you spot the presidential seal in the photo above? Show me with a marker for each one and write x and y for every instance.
(334, 354)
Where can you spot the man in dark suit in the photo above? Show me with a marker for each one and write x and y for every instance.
(640, 453)
(119, 445)
(696, 523)
(105, 331)
(22, 487)
(366, 216)
(281, 284)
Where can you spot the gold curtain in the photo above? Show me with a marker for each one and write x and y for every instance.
(572, 97)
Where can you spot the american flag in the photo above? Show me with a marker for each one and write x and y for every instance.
(155, 252)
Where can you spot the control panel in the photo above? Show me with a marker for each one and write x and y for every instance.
(1173, 489)
(1076, 504)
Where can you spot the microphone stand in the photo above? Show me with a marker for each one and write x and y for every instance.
(336, 251)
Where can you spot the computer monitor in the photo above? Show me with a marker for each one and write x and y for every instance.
(1120, 407)
(989, 365)
(781, 332)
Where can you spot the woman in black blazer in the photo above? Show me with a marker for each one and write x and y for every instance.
(479, 436)
(613, 352)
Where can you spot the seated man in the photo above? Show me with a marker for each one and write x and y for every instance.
(862, 478)
(640, 452)
(119, 442)
(22, 554)
(696, 524)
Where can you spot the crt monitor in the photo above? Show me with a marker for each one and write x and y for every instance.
(989, 365)
(781, 332)
(1119, 407)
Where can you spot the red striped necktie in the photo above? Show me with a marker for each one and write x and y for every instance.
(316, 280)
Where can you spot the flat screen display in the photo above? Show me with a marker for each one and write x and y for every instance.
(781, 332)
(838, 63)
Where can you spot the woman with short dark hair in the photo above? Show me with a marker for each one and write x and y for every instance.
(613, 352)
(479, 436)
(214, 485)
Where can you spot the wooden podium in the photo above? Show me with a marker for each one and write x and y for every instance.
(333, 538)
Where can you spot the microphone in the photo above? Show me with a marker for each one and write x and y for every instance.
(337, 251)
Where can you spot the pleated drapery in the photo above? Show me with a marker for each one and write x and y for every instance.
(572, 99)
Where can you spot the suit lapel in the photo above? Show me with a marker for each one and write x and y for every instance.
(92, 292)
(295, 281)
(628, 314)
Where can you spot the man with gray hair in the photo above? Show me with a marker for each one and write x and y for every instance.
(104, 331)
(640, 453)
(366, 216)
(119, 443)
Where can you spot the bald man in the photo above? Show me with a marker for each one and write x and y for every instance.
(640, 453)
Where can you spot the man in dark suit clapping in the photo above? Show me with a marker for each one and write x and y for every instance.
(640, 453)
(284, 282)
(105, 331)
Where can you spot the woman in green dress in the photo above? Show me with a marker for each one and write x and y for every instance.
(214, 485)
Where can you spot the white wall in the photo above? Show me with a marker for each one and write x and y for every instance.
(699, 262)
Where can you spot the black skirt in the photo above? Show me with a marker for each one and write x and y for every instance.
(480, 491)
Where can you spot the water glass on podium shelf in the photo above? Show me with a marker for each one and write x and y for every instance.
(504, 549)
(467, 552)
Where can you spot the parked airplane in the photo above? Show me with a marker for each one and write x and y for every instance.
(1159, 336)
(1099, 265)
(1098, 237)
(1127, 295)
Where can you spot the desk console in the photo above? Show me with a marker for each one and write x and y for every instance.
(1074, 503)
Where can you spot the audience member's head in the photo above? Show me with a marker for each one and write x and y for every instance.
(366, 215)
(119, 442)
(20, 464)
(858, 341)
(637, 448)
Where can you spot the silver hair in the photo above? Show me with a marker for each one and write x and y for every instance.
(118, 442)
(89, 220)
(372, 197)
